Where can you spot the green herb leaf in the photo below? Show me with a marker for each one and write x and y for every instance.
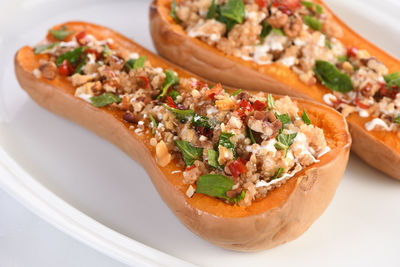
(277, 174)
(392, 79)
(284, 118)
(251, 136)
(328, 42)
(284, 141)
(312, 22)
(397, 119)
(180, 114)
(135, 63)
(228, 22)
(107, 51)
(104, 99)
(216, 185)
(79, 68)
(212, 11)
(236, 92)
(189, 152)
(266, 29)
(271, 102)
(305, 117)
(234, 9)
(173, 94)
(213, 159)
(173, 12)
(224, 140)
(318, 9)
(278, 31)
(61, 34)
(170, 80)
(331, 77)
(155, 125)
(342, 58)
(73, 56)
(42, 48)
(202, 121)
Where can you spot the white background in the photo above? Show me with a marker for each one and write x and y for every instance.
(360, 227)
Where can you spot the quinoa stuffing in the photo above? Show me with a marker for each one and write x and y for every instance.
(301, 36)
(233, 146)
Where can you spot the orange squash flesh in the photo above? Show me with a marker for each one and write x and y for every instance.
(283, 215)
(380, 149)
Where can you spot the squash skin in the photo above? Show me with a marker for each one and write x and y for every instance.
(280, 217)
(377, 148)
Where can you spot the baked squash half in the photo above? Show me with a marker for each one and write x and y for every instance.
(243, 171)
(298, 48)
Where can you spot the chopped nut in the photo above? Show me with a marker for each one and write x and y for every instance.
(225, 104)
(48, 70)
(162, 155)
(190, 191)
(79, 79)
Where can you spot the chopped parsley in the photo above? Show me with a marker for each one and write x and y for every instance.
(189, 152)
(104, 99)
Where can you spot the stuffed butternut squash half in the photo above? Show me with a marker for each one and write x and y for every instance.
(291, 47)
(244, 171)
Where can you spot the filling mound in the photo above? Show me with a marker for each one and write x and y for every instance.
(233, 146)
(301, 36)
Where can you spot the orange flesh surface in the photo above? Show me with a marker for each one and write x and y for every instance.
(285, 75)
(321, 116)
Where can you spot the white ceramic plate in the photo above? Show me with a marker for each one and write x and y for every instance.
(88, 188)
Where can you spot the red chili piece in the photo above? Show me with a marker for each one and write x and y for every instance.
(262, 3)
(388, 92)
(287, 6)
(81, 38)
(242, 107)
(352, 52)
(360, 104)
(65, 68)
(188, 168)
(237, 167)
(145, 80)
(171, 103)
(92, 51)
(217, 89)
(258, 105)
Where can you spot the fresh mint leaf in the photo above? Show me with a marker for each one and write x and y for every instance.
(155, 125)
(42, 48)
(284, 141)
(135, 63)
(61, 34)
(234, 9)
(202, 121)
(173, 94)
(236, 92)
(213, 159)
(342, 58)
(173, 12)
(312, 22)
(104, 99)
(278, 31)
(73, 56)
(284, 118)
(331, 77)
(397, 119)
(216, 185)
(224, 140)
(266, 29)
(271, 102)
(189, 152)
(392, 79)
(170, 80)
(212, 11)
(277, 174)
(318, 9)
(180, 114)
(305, 117)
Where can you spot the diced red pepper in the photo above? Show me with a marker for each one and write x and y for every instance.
(171, 103)
(360, 104)
(92, 51)
(145, 80)
(242, 107)
(352, 52)
(188, 168)
(262, 3)
(217, 89)
(237, 167)
(258, 105)
(81, 38)
(65, 68)
(388, 92)
(286, 6)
